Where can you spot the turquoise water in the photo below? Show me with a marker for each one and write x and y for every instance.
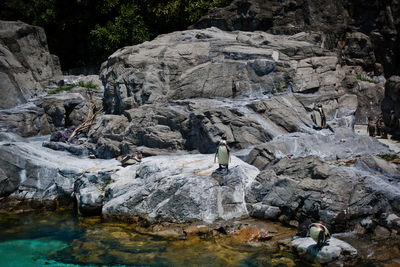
(64, 239)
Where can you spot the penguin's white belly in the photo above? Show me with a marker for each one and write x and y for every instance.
(318, 119)
(223, 156)
(314, 233)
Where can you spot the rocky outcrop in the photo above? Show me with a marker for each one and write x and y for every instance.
(179, 189)
(269, 85)
(370, 96)
(304, 188)
(25, 120)
(175, 189)
(363, 31)
(212, 63)
(339, 145)
(33, 172)
(197, 124)
(26, 65)
(279, 17)
(186, 188)
(48, 113)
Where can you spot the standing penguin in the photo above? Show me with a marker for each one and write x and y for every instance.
(223, 153)
(318, 116)
(319, 233)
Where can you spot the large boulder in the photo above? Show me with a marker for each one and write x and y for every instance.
(179, 189)
(336, 252)
(268, 83)
(309, 188)
(219, 64)
(25, 120)
(60, 107)
(29, 171)
(370, 96)
(25, 62)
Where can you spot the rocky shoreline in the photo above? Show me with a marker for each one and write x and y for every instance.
(171, 99)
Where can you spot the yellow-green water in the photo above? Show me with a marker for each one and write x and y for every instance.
(64, 239)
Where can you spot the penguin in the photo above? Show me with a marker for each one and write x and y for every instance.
(319, 233)
(222, 153)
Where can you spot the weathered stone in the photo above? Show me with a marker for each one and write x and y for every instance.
(25, 120)
(324, 144)
(334, 25)
(308, 187)
(336, 251)
(392, 100)
(25, 63)
(242, 64)
(59, 107)
(166, 189)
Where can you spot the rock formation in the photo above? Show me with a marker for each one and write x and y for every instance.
(26, 65)
(172, 98)
(266, 82)
(364, 31)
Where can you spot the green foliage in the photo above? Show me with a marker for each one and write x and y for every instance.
(128, 28)
(86, 32)
(64, 88)
(388, 156)
(281, 87)
(88, 85)
(365, 79)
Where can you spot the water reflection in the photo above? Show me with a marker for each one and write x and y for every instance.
(64, 239)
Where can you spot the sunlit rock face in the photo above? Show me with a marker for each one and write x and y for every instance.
(213, 63)
(165, 188)
(184, 89)
(180, 189)
(25, 62)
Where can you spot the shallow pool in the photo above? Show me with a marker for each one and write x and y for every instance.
(65, 239)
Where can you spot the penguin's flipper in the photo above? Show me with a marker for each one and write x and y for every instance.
(321, 238)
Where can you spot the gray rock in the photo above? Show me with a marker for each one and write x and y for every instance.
(179, 189)
(253, 64)
(308, 187)
(393, 221)
(334, 26)
(78, 150)
(392, 99)
(40, 174)
(59, 108)
(89, 191)
(336, 251)
(197, 124)
(25, 120)
(342, 144)
(26, 64)
(370, 97)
